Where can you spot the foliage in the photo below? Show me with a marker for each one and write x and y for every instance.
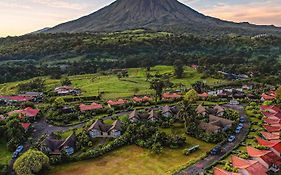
(191, 96)
(37, 84)
(178, 65)
(66, 81)
(278, 94)
(31, 162)
(15, 133)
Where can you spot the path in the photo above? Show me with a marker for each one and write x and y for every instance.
(199, 167)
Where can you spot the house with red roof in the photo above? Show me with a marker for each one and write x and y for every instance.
(171, 96)
(16, 98)
(266, 97)
(271, 109)
(142, 99)
(271, 136)
(91, 107)
(272, 128)
(26, 126)
(204, 95)
(267, 158)
(274, 145)
(248, 167)
(27, 112)
(119, 102)
(272, 120)
(218, 171)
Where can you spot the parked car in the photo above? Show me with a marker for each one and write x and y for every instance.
(240, 125)
(242, 120)
(19, 149)
(231, 138)
(216, 150)
(17, 152)
(15, 155)
(238, 130)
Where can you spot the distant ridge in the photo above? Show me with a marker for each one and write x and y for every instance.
(160, 15)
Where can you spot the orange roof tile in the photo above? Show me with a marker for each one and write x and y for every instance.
(271, 136)
(218, 171)
(252, 166)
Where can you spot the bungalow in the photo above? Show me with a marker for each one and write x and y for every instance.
(274, 145)
(270, 136)
(26, 113)
(267, 158)
(218, 171)
(153, 116)
(55, 147)
(219, 110)
(26, 126)
(37, 96)
(67, 90)
(134, 116)
(201, 110)
(271, 109)
(166, 111)
(221, 122)
(248, 167)
(142, 99)
(91, 107)
(100, 129)
(119, 102)
(171, 96)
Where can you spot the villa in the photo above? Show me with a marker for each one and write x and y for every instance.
(216, 124)
(142, 99)
(119, 102)
(100, 129)
(152, 116)
(91, 107)
(274, 145)
(171, 96)
(271, 136)
(67, 90)
(218, 171)
(26, 113)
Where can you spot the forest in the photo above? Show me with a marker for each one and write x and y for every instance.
(30, 56)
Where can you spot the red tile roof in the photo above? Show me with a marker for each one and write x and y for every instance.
(171, 95)
(274, 144)
(17, 98)
(25, 125)
(93, 106)
(268, 156)
(218, 171)
(142, 99)
(267, 97)
(253, 152)
(204, 95)
(272, 109)
(273, 128)
(272, 120)
(251, 166)
(271, 136)
(117, 103)
(268, 114)
(27, 112)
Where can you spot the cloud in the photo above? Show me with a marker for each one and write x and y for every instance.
(61, 4)
(267, 12)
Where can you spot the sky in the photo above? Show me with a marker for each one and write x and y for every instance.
(23, 16)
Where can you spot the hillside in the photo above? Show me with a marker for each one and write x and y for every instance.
(160, 15)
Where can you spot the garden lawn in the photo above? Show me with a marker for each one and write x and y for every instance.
(112, 87)
(5, 155)
(135, 160)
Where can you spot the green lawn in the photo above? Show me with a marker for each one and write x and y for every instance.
(91, 84)
(5, 155)
(135, 160)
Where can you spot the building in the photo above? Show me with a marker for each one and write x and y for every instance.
(270, 136)
(26, 113)
(54, 146)
(91, 107)
(135, 116)
(142, 99)
(272, 128)
(268, 97)
(272, 120)
(201, 110)
(26, 126)
(219, 110)
(119, 102)
(152, 116)
(67, 90)
(15, 99)
(171, 96)
(208, 127)
(216, 124)
(267, 158)
(274, 145)
(100, 129)
(248, 167)
(168, 111)
(203, 96)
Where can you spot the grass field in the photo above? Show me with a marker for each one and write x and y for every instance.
(5, 155)
(135, 160)
(113, 87)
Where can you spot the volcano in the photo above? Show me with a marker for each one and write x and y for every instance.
(159, 15)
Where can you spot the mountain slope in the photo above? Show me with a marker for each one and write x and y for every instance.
(165, 15)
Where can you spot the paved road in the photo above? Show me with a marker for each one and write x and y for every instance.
(198, 168)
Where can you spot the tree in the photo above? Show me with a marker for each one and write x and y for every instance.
(14, 132)
(178, 65)
(191, 96)
(157, 85)
(31, 162)
(157, 148)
